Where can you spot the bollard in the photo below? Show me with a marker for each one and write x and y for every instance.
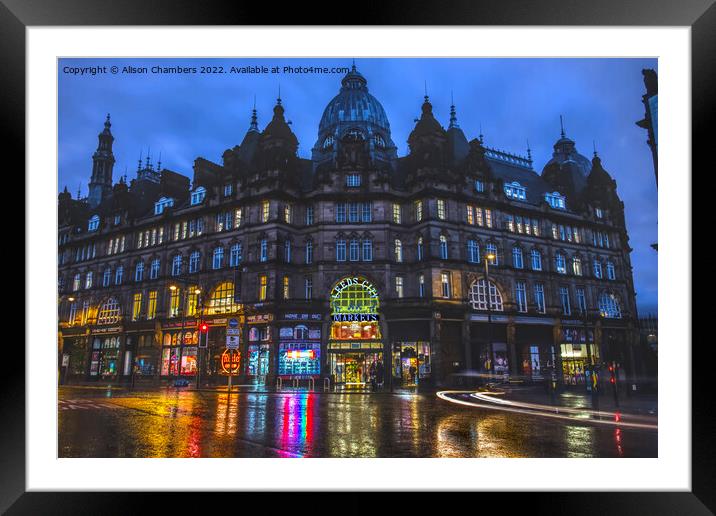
(326, 384)
(311, 383)
(294, 382)
(279, 383)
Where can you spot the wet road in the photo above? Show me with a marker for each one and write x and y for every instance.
(180, 423)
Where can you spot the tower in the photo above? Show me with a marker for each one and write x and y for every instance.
(100, 184)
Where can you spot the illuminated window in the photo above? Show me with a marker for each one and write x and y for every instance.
(516, 191)
(556, 200)
(287, 210)
(354, 250)
(341, 250)
(421, 285)
(222, 299)
(445, 282)
(192, 301)
(399, 286)
(264, 250)
(443, 247)
(235, 255)
(354, 309)
(309, 251)
(238, 216)
(197, 196)
(137, 306)
(286, 287)
(609, 306)
(539, 297)
(420, 248)
(564, 298)
(308, 287)
(577, 266)
(162, 204)
(174, 302)
(418, 211)
(479, 185)
(597, 266)
(353, 212)
(353, 180)
(396, 213)
(152, 305)
(366, 212)
(108, 312)
(581, 300)
(265, 205)
(398, 251)
(478, 296)
(106, 277)
(517, 258)
(560, 263)
(470, 214)
(118, 275)
(441, 209)
(73, 315)
(491, 249)
(263, 287)
(309, 215)
(341, 212)
(521, 296)
(488, 217)
(93, 223)
(88, 279)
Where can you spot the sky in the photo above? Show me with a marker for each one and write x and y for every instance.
(510, 100)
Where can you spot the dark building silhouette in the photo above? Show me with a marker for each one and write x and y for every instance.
(352, 264)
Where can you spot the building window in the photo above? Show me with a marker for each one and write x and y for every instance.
(443, 247)
(536, 260)
(264, 250)
(399, 286)
(564, 298)
(515, 190)
(478, 296)
(367, 250)
(235, 255)
(137, 306)
(397, 218)
(118, 275)
(445, 284)
(73, 315)
(353, 212)
(286, 287)
(421, 285)
(479, 185)
(581, 300)
(194, 261)
(263, 287)
(539, 297)
(441, 209)
(473, 251)
(577, 266)
(162, 204)
(154, 269)
(139, 271)
(287, 251)
(109, 312)
(354, 250)
(308, 287)
(470, 214)
(353, 180)
(420, 248)
(341, 212)
(488, 218)
(192, 301)
(106, 277)
(340, 250)
(517, 258)
(223, 299)
(238, 216)
(398, 251)
(265, 207)
(228, 190)
(173, 302)
(152, 305)
(287, 211)
(599, 213)
(560, 263)
(309, 251)
(521, 296)
(611, 274)
(491, 249)
(609, 306)
(556, 200)
(418, 211)
(597, 265)
(176, 265)
(218, 261)
(93, 223)
(309, 215)
(198, 195)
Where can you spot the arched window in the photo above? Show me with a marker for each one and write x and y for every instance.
(235, 256)
(108, 312)
(473, 251)
(560, 263)
(609, 306)
(379, 141)
(93, 223)
(154, 269)
(354, 308)
(398, 251)
(611, 272)
(491, 249)
(443, 247)
(309, 251)
(222, 299)
(327, 142)
(478, 296)
(517, 258)
(536, 260)
(139, 271)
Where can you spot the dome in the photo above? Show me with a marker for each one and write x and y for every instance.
(565, 150)
(354, 106)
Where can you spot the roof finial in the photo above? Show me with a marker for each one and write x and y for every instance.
(529, 151)
(594, 145)
(79, 190)
(453, 116)
(149, 149)
(254, 121)
(278, 100)
(159, 162)
(482, 138)
(139, 163)
(354, 65)
(426, 91)
(561, 125)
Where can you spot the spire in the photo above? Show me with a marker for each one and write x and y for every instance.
(353, 69)
(278, 100)
(529, 151)
(453, 116)
(561, 125)
(107, 123)
(149, 166)
(427, 100)
(79, 190)
(139, 161)
(594, 145)
(254, 121)
(159, 161)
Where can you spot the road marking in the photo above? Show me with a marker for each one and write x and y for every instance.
(81, 404)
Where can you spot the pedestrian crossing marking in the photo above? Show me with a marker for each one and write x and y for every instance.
(85, 405)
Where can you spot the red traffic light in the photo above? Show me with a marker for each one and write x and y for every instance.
(204, 327)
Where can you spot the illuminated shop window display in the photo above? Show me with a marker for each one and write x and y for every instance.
(175, 352)
(104, 358)
(299, 359)
(575, 355)
(409, 365)
(258, 359)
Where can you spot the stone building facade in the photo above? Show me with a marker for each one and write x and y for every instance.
(354, 264)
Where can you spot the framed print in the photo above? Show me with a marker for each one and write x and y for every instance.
(426, 252)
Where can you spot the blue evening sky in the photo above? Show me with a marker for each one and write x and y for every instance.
(184, 116)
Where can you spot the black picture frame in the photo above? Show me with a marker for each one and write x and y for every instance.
(700, 15)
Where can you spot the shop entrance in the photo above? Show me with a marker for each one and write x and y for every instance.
(355, 369)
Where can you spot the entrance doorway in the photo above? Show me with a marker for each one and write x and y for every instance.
(354, 369)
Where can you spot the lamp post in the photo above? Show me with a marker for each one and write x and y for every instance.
(489, 257)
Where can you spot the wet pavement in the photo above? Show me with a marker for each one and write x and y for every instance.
(172, 422)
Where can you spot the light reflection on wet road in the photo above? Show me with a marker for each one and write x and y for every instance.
(171, 423)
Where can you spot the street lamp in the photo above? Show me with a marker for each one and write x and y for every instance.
(488, 258)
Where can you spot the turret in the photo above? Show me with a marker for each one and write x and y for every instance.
(100, 185)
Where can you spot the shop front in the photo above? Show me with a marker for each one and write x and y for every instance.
(535, 350)
(260, 340)
(179, 352)
(577, 351)
(105, 360)
(355, 347)
(411, 362)
(299, 348)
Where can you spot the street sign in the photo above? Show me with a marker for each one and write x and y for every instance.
(65, 360)
(230, 361)
(232, 342)
(232, 327)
